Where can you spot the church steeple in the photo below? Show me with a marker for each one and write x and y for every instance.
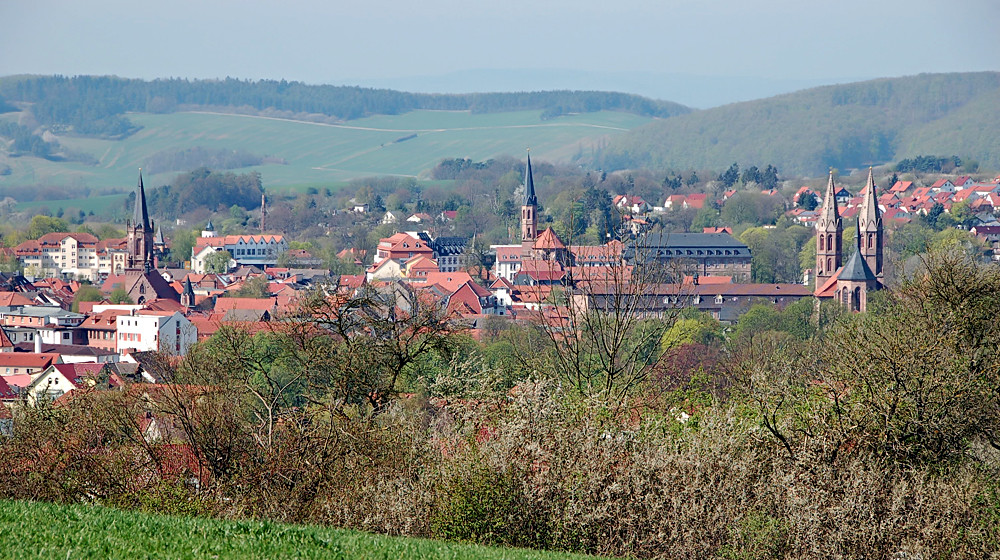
(187, 296)
(140, 233)
(829, 236)
(529, 185)
(141, 215)
(529, 211)
(870, 227)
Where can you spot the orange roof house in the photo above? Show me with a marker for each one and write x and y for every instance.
(401, 247)
(548, 240)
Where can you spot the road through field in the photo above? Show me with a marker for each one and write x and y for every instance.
(415, 130)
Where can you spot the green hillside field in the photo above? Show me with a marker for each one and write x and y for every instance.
(323, 154)
(42, 530)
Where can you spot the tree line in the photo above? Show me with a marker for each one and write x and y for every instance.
(96, 105)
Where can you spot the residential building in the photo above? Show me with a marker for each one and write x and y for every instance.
(168, 333)
(246, 250)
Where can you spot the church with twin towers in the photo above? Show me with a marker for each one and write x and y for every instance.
(849, 283)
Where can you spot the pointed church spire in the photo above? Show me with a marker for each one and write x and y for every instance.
(187, 297)
(141, 216)
(529, 210)
(868, 214)
(870, 241)
(829, 229)
(529, 185)
(830, 212)
(140, 234)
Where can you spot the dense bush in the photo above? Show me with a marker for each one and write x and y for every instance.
(872, 437)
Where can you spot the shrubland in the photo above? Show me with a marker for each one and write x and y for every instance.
(858, 435)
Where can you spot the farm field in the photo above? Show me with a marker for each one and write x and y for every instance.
(324, 154)
(42, 530)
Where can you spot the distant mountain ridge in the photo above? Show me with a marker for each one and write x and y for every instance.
(96, 105)
(694, 90)
(843, 126)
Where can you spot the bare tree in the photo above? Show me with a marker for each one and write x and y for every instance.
(359, 346)
(604, 323)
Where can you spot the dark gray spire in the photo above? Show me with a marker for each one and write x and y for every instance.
(529, 185)
(857, 268)
(141, 217)
(187, 297)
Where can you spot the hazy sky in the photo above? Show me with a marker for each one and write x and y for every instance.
(343, 42)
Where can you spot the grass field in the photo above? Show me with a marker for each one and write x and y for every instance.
(323, 154)
(41, 530)
(92, 204)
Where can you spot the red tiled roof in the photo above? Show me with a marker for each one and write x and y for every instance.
(501, 283)
(449, 281)
(6, 392)
(12, 299)
(27, 359)
(696, 200)
(544, 271)
(259, 304)
(830, 286)
(548, 240)
(720, 229)
(202, 242)
(509, 254)
(75, 373)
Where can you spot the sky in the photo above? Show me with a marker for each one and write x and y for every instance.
(575, 44)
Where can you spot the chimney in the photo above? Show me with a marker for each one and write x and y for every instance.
(38, 342)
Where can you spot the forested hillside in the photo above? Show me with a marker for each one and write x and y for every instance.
(95, 105)
(842, 126)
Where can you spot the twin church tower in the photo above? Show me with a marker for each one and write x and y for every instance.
(849, 283)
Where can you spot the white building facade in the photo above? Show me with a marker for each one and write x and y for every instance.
(169, 334)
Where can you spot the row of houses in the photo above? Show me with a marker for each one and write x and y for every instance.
(77, 255)
(904, 200)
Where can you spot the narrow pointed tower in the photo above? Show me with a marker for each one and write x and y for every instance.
(870, 228)
(829, 236)
(140, 233)
(187, 296)
(529, 210)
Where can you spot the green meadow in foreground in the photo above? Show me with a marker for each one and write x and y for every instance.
(42, 530)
